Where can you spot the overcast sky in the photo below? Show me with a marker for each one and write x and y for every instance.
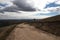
(29, 9)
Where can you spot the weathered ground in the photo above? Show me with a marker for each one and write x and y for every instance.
(28, 32)
(5, 31)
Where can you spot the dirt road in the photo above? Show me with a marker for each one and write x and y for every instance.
(28, 32)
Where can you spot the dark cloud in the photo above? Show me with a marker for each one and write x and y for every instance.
(10, 9)
(1, 11)
(24, 5)
(18, 5)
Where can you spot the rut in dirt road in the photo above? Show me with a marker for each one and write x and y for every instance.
(28, 32)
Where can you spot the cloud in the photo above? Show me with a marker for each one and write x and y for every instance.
(4, 2)
(39, 17)
(57, 2)
(52, 5)
(15, 6)
(27, 5)
(39, 4)
(11, 9)
(53, 9)
(14, 15)
(35, 5)
(48, 14)
(28, 9)
(23, 5)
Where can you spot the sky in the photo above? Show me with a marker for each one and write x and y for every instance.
(29, 9)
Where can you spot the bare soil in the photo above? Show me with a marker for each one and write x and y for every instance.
(28, 32)
(5, 31)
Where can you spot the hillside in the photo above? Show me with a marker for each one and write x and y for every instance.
(51, 19)
(50, 25)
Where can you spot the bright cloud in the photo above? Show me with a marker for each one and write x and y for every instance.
(14, 15)
(40, 4)
(57, 2)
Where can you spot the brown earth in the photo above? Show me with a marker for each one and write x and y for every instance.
(28, 32)
(4, 31)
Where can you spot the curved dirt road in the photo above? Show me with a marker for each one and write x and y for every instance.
(28, 32)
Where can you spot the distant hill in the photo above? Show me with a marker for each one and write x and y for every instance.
(50, 19)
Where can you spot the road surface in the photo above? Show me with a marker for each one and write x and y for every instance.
(28, 32)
